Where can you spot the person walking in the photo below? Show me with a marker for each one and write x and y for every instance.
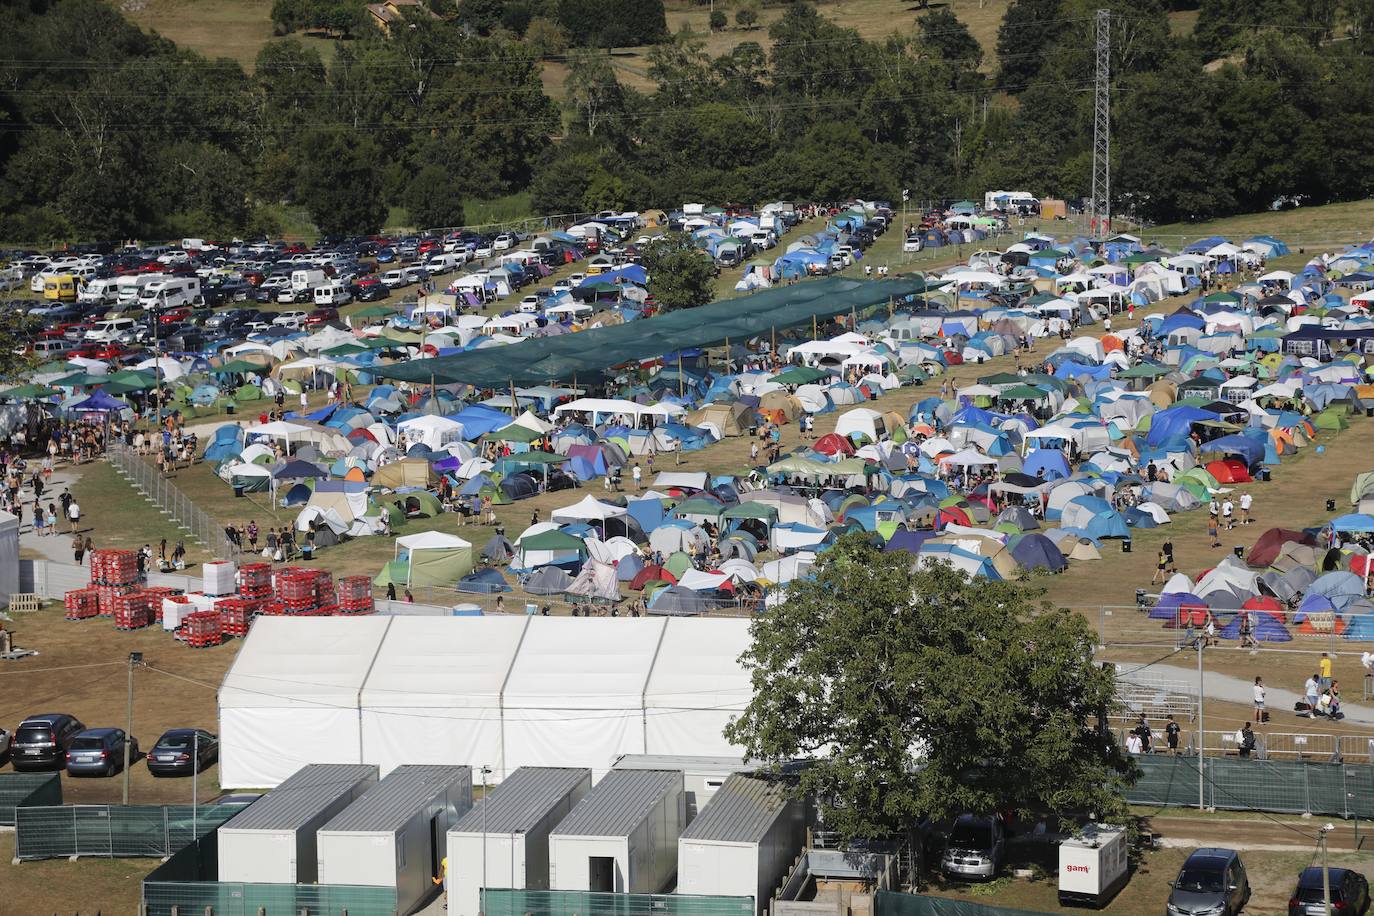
(637, 474)
(1246, 501)
(1228, 508)
(1258, 688)
(78, 549)
(1160, 567)
(1324, 671)
(74, 514)
(1245, 740)
(1171, 731)
(1213, 534)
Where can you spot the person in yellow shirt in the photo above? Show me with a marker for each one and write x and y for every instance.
(442, 878)
(1324, 670)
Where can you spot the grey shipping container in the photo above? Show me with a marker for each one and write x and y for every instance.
(515, 821)
(702, 776)
(622, 837)
(743, 842)
(273, 841)
(396, 834)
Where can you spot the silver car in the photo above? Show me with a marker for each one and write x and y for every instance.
(975, 847)
(99, 752)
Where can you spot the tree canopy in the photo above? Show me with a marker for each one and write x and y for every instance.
(680, 274)
(923, 694)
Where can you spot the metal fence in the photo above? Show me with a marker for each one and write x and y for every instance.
(1269, 745)
(164, 494)
(441, 600)
(225, 898)
(18, 790)
(113, 831)
(1278, 786)
(591, 903)
(891, 903)
(1130, 626)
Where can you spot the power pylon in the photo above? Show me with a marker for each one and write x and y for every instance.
(1101, 207)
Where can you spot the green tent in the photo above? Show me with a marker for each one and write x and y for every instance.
(431, 558)
(516, 433)
(238, 365)
(248, 392)
(799, 375)
(426, 504)
(553, 541)
(1331, 418)
(28, 392)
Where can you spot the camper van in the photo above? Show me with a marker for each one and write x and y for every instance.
(333, 294)
(170, 293)
(99, 292)
(307, 279)
(60, 288)
(111, 330)
(131, 286)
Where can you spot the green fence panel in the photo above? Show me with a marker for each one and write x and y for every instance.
(1279, 786)
(132, 831)
(232, 899)
(890, 903)
(589, 903)
(23, 789)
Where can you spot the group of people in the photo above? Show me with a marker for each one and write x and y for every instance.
(277, 544)
(1321, 693)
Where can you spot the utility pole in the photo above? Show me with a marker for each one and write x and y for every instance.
(135, 659)
(482, 887)
(1326, 872)
(1200, 642)
(1100, 210)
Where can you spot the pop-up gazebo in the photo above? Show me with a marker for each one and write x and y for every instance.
(430, 558)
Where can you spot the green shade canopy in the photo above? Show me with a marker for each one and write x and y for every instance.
(1023, 393)
(29, 392)
(238, 365)
(553, 541)
(375, 311)
(799, 375)
(517, 433)
(348, 349)
(80, 379)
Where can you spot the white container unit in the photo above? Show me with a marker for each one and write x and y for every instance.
(1093, 866)
(273, 841)
(621, 838)
(396, 834)
(743, 842)
(702, 776)
(219, 577)
(514, 820)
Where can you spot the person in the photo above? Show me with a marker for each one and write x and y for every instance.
(638, 474)
(305, 401)
(253, 535)
(74, 514)
(1133, 745)
(391, 591)
(1259, 699)
(1142, 731)
(1246, 501)
(1311, 691)
(1324, 671)
(1160, 567)
(1227, 509)
(410, 599)
(179, 555)
(441, 879)
(1213, 535)
(1245, 740)
(78, 549)
(1171, 731)
(1247, 631)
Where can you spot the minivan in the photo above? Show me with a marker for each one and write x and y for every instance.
(1211, 881)
(109, 330)
(99, 292)
(60, 288)
(41, 742)
(332, 294)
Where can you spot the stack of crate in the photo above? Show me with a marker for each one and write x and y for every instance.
(236, 614)
(159, 594)
(114, 574)
(82, 603)
(295, 588)
(203, 629)
(255, 580)
(355, 595)
(134, 610)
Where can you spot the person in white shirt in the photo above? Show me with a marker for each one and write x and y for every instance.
(1245, 502)
(1259, 699)
(1227, 509)
(1133, 745)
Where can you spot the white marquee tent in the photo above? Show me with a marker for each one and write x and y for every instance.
(503, 692)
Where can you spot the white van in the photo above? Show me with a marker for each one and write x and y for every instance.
(444, 263)
(131, 286)
(307, 279)
(110, 330)
(170, 293)
(332, 294)
(100, 292)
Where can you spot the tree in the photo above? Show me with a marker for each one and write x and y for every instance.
(716, 21)
(680, 274)
(873, 667)
(1028, 29)
(613, 23)
(593, 90)
(434, 198)
(746, 17)
(340, 183)
(546, 37)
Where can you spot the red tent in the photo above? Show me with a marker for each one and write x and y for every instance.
(1230, 470)
(1266, 605)
(953, 515)
(1266, 549)
(649, 574)
(834, 444)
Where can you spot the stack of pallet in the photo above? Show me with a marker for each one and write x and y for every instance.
(203, 629)
(134, 610)
(236, 614)
(355, 595)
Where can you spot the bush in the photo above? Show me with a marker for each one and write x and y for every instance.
(717, 20)
(746, 17)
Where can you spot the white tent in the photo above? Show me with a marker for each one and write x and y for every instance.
(291, 697)
(697, 687)
(589, 509)
(434, 432)
(442, 682)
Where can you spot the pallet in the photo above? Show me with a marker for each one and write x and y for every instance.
(24, 602)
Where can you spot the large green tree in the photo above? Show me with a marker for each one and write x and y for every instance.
(680, 274)
(340, 183)
(921, 693)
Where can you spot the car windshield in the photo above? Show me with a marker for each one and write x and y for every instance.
(1200, 880)
(969, 836)
(87, 744)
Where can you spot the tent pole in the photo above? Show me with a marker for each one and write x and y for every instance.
(679, 374)
(775, 348)
(514, 404)
(813, 327)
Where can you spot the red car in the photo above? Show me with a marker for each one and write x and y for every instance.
(175, 316)
(321, 316)
(104, 351)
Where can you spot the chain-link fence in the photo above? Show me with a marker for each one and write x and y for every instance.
(440, 601)
(891, 903)
(164, 494)
(18, 790)
(113, 831)
(1250, 784)
(592, 903)
(1137, 626)
(1269, 745)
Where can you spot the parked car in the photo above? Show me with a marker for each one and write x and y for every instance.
(292, 319)
(394, 279)
(913, 243)
(321, 316)
(370, 290)
(40, 742)
(975, 847)
(1349, 893)
(172, 755)
(503, 242)
(99, 752)
(1212, 882)
(4, 744)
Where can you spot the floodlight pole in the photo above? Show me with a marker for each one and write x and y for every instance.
(1200, 642)
(135, 658)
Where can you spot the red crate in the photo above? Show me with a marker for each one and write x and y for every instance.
(134, 611)
(160, 592)
(273, 608)
(203, 629)
(255, 580)
(114, 567)
(109, 594)
(82, 604)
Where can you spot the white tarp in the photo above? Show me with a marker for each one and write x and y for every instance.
(697, 687)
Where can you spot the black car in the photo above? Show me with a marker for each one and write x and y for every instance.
(370, 292)
(173, 753)
(1349, 893)
(41, 742)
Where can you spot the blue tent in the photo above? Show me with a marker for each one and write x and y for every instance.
(1035, 551)
(298, 495)
(487, 581)
(647, 512)
(1051, 461)
(1359, 626)
(910, 541)
(1175, 423)
(1248, 448)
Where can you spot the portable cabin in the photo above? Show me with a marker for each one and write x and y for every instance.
(622, 837)
(743, 841)
(396, 834)
(273, 841)
(702, 776)
(1093, 866)
(514, 821)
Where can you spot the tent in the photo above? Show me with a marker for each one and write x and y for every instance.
(431, 558)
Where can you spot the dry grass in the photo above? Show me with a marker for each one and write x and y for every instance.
(216, 28)
(1316, 229)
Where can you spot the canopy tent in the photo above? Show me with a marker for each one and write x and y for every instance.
(431, 558)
